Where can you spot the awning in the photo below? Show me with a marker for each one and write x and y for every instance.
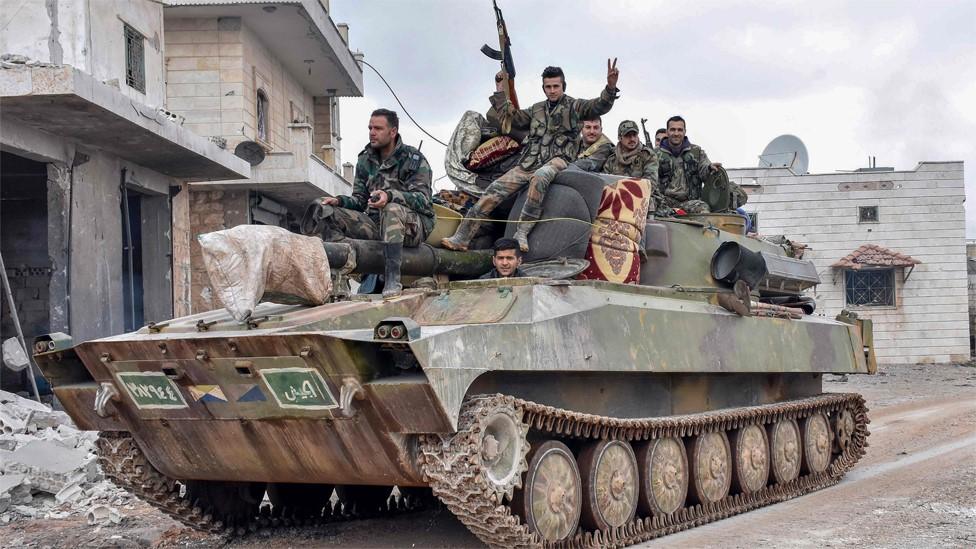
(66, 102)
(874, 256)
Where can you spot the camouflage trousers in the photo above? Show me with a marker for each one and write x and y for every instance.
(513, 181)
(397, 223)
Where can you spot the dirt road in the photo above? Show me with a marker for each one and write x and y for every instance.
(916, 487)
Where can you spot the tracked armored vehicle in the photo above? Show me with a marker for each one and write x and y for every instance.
(539, 411)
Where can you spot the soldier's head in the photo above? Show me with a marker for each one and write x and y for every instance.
(553, 83)
(383, 127)
(676, 130)
(592, 130)
(659, 136)
(628, 136)
(507, 257)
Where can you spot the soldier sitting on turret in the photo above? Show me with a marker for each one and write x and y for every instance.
(507, 260)
(393, 185)
(552, 143)
(682, 170)
(595, 146)
(631, 159)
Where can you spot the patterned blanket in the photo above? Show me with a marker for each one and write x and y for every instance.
(617, 230)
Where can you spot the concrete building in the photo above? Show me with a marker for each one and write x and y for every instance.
(971, 271)
(263, 78)
(887, 244)
(90, 164)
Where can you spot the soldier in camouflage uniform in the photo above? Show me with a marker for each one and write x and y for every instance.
(631, 159)
(595, 146)
(553, 142)
(682, 170)
(390, 197)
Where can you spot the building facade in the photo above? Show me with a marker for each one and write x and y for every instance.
(887, 244)
(263, 80)
(90, 164)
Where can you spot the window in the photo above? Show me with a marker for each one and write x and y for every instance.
(870, 287)
(867, 214)
(135, 59)
(262, 108)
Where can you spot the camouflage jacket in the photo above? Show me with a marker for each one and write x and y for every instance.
(405, 175)
(592, 158)
(680, 176)
(553, 132)
(642, 165)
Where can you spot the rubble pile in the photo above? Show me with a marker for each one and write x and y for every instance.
(48, 468)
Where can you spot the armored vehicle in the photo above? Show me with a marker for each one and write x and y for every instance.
(538, 410)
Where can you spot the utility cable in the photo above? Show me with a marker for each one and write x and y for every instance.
(405, 111)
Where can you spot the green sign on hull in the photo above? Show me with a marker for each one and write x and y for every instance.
(151, 390)
(299, 388)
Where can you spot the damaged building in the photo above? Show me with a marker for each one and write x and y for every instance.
(119, 123)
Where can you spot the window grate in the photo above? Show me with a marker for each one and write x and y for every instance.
(867, 214)
(135, 59)
(874, 287)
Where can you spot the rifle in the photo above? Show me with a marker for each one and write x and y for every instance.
(503, 54)
(647, 136)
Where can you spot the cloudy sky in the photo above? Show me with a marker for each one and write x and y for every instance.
(894, 80)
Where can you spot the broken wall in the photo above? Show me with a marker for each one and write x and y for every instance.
(88, 36)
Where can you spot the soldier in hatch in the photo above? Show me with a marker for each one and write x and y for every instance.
(553, 142)
(630, 158)
(393, 187)
(507, 259)
(682, 170)
(595, 146)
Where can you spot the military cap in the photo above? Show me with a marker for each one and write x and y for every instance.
(626, 127)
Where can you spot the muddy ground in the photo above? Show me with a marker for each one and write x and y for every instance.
(916, 487)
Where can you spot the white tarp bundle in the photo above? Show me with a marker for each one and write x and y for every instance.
(251, 263)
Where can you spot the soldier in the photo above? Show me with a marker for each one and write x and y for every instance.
(553, 142)
(630, 158)
(682, 170)
(659, 136)
(595, 146)
(507, 260)
(393, 185)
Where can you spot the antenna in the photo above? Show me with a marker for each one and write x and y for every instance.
(786, 151)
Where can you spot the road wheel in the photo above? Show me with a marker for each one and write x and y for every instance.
(663, 465)
(816, 443)
(550, 500)
(610, 484)
(710, 467)
(750, 448)
(785, 450)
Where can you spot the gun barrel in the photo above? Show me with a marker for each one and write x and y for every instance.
(366, 257)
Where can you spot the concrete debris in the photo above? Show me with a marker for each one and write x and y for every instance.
(103, 514)
(48, 468)
(50, 465)
(13, 61)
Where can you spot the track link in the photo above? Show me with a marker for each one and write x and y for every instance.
(124, 463)
(451, 465)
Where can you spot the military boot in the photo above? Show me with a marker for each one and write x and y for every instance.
(526, 224)
(464, 233)
(393, 253)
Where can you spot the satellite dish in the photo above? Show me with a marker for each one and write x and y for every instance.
(786, 151)
(251, 151)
